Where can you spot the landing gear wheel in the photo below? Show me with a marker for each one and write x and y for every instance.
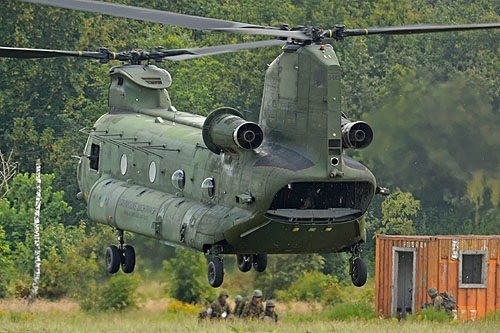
(244, 262)
(112, 259)
(215, 272)
(259, 262)
(128, 259)
(358, 272)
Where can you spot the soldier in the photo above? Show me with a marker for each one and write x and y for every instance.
(270, 313)
(254, 309)
(436, 300)
(220, 308)
(238, 308)
(443, 301)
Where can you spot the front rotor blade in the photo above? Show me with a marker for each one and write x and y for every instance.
(169, 18)
(418, 29)
(13, 52)
(185, 54)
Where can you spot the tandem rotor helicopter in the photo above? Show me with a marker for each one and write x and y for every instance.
(221, 184)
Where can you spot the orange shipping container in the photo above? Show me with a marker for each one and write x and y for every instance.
(466, 266)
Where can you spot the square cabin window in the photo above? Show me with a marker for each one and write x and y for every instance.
(473, 269)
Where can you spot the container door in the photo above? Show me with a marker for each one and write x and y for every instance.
(405, 283)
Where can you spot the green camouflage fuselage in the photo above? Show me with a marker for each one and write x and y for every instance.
(295, 193)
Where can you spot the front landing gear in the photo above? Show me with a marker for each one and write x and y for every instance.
(357, 267)
(123, 255)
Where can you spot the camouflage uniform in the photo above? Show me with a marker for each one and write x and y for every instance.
(271, 316)
(238, 308)
(218, 307)
(252, 311)
(438, 303)
(436, 299)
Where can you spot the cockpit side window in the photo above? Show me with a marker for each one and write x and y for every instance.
(94, 157)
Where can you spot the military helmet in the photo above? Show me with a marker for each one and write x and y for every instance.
(257, 293)
(270, 304)
(238, 299)
(223, 293)
(432, 292)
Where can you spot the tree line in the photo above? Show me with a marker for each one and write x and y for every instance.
(433, 101)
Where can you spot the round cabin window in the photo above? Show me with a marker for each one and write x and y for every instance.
(208, 187)
(123, 164)
(152, 171)
(179, 179)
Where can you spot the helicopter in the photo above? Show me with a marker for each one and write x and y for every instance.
(221, 184)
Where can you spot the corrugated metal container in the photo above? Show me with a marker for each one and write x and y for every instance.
(466, 266)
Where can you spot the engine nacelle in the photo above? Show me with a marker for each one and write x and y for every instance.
(226, 130)
(357, 135)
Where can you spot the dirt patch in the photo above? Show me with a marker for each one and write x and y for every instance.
(154, 305)
(64, 305)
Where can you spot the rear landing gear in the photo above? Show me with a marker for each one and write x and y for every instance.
(123, 256)
(357, 267)
(259, 262)
(215, 267)
(246, 261)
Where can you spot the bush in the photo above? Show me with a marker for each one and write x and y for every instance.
(69, 265)
(282, 272)
(431, 314)
(316, 286)
(350, 311)
(120, 292)
(313, 285)
(179, 307)
(492, 316)
(301, 318)
(187, 277)
(309, 286)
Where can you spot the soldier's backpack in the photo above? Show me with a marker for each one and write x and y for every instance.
(449, 302)
(203, 314)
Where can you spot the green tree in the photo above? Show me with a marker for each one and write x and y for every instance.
(187, 277)
(475, 192)
(5, 263)
(16, 209)
(70, 266)
(494, 186)
(432, 99)
(283, 270)
(398, 211)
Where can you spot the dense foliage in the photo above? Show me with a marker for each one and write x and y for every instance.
(433, 101)
(187, 273)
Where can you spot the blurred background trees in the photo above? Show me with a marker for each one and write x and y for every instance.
(433, 101)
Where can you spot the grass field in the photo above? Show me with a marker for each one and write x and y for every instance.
(64, 316)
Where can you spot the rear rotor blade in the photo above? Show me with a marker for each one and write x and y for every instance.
(418, 29)
(169, 18)
(185, 54)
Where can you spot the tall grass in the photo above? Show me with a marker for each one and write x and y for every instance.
(145, 321)
(351, 311)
